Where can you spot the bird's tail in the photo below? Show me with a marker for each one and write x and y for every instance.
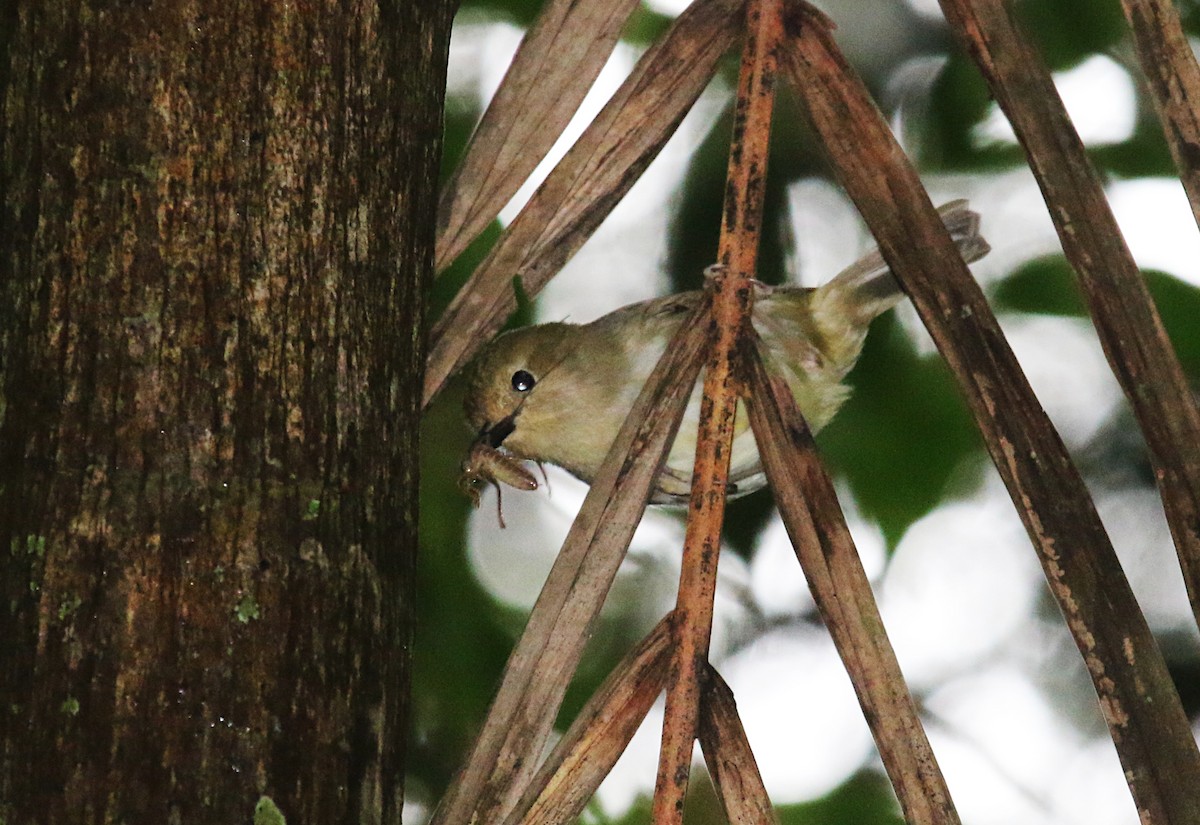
(867, 288)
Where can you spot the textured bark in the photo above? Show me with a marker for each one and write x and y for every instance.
(217, 224)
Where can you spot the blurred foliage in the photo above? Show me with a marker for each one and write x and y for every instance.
(959, 101)
(866, 799)
(1067, 31)
(460, 645)
(903, 442)
(1048, 286)
(905, 433)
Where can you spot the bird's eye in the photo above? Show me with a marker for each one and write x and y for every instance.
(523, 381)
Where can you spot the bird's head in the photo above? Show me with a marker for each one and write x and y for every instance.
(514, 397)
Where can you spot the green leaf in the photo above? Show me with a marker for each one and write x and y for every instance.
(1045, 286)
(904, 435)
(1068, 31)
(1179, 306)
(866, 799)
(1048, 286)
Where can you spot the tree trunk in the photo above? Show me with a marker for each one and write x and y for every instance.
(216, 231)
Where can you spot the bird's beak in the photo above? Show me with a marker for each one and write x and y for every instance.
(495, 434)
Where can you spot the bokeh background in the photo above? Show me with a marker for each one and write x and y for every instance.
(1008, 706)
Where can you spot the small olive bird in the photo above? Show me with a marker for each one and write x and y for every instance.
(560, 392)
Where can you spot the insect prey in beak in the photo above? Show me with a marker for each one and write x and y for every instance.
(485, 464)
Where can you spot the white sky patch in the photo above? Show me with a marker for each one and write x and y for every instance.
(1090, 784)
(959, 584)
(927, 8)
(1153, 214)
(829, 234)
(511, 563)
(619, 64)
(997, 711)
(634, 773)
(800, 713)
(671, 8)
(413, 812)
(1002, 744)
(1100, 98)
(480, 52)
(778, 583)
(1158, 225)
(1138, 528)
(1066, 367)
(622, 263)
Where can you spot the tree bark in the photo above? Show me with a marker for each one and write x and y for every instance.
(216, 229)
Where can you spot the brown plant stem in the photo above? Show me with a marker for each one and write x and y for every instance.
(600, 733)
(549, 76)
(1136, 695)
(730, 761)
(730, 289)
(1122, 310)
(1173, 75)
(505, 755)
(809, 507)
(586, 184)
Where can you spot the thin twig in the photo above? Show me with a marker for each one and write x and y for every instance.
(586, 184)
(731, 296)
(1136, 694)
(730, 761)
(600, 733)
(1122, 310)
(809, 507)
(505, 755)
